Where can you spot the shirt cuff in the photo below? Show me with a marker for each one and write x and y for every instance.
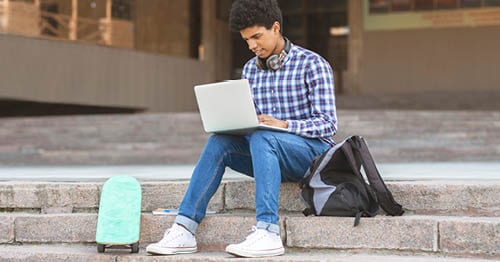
(293, 126)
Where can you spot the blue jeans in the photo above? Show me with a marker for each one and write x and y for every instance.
(269, 157)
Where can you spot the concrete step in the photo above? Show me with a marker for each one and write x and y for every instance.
(77, 253)
(407, 115)
(409, 136)
(438, 197)
(451, 152)
(102, 139)
(464, 236)
(455, 100)
(393, 135)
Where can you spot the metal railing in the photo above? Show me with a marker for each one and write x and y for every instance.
(27, 18)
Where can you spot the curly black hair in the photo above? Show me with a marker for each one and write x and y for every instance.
(248, 13)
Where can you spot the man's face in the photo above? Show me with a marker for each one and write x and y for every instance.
(263, 42)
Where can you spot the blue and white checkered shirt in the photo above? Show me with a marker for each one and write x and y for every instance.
(300, 92)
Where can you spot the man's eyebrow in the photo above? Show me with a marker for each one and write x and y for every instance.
(253, 36)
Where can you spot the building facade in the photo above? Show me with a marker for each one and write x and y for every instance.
(148, 54)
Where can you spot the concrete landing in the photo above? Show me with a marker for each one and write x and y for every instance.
(389, 171)
(88, 253)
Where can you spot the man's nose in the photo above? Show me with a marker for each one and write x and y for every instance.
(252, 44)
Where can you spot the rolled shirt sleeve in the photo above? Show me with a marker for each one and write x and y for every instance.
(323, 118)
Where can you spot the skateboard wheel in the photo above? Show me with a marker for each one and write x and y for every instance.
(135, 247)
(100, 248)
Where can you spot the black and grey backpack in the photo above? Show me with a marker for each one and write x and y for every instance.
(334, 184)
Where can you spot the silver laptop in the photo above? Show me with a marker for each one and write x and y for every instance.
(228, 107)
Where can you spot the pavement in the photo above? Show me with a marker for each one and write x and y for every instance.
(389, 172)
(88, 253)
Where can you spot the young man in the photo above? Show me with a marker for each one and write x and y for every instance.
(292, 88)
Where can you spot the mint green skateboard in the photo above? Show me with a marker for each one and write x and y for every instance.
(119, 219)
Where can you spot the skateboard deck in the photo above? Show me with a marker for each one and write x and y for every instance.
(119, 218)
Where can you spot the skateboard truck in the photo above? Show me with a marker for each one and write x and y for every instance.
(134, 248)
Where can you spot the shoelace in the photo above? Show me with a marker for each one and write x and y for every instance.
(253, 229)
(252, 232)
(169, 236)
(255, 235)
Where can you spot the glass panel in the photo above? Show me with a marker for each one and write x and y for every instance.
(326, 5)
(290, 6)
(401, 5)
(470, 3)
(292, 25)
(447, 4)
(424, 4)
(492, 2)
(122, 9)
(379, 6)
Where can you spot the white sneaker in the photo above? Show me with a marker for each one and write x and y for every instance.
(177, 240)
(260, 243)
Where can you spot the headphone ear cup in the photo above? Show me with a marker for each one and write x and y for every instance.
(260, 64)
(273, 62)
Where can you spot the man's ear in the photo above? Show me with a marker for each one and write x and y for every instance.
(276, 27)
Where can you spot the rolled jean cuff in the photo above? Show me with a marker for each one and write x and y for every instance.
(187, 222)
(268, 226)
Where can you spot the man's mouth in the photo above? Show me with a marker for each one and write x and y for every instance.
(258, 52)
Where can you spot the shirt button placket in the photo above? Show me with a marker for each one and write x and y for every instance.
(274, 99)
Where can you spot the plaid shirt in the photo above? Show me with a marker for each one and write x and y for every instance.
(300, 92)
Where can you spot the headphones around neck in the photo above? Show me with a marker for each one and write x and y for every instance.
(274, 62)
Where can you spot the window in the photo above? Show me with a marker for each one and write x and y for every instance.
(388, 6)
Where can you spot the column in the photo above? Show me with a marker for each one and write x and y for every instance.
(73, 22)
(355, 46)
(4, 23)
(107, 35)
(208, 51)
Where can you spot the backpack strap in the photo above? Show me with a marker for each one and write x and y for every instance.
(355, 163)
(357, 218)
(385, 198)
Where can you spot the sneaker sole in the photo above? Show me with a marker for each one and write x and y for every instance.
(164, 251)
(246, 253)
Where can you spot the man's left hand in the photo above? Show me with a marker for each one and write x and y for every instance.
(271, 121)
